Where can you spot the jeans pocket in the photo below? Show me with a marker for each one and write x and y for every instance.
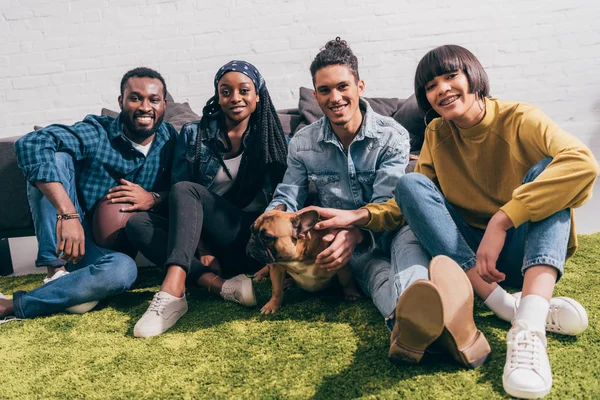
(329, 191)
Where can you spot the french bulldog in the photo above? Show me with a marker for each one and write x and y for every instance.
(288, 242)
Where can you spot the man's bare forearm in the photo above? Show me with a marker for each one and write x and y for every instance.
(57, 195)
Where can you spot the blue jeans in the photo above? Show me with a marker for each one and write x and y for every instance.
(442, 230)
(100, 273)
(384, 280)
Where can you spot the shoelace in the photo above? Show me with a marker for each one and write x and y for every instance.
(552, 320)
(229, 290)
(526, 346)
(158, 304)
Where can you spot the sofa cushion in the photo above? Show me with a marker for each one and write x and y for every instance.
(410, 117)
(311, 112)
(13, 202)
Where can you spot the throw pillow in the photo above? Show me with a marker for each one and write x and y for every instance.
(310, 110)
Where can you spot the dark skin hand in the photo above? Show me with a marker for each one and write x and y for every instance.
(132, 193)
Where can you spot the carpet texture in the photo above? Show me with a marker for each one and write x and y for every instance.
(317, 346)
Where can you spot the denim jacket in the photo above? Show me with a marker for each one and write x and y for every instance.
(376, 159)
(185, 156)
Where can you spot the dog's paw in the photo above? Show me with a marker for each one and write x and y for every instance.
(351, 294)
(261, 275)
(271, 307)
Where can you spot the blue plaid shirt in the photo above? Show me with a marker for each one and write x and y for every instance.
(101, 154)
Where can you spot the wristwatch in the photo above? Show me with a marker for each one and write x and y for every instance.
(157, 198)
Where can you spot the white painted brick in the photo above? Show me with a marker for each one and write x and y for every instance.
(54, 9)
(45, 68)
(67, 77)
(547, 53)
(31, 82)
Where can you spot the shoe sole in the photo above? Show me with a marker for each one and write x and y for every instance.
(419, 320)
(82, 308)
(521, 394)
(456, 292)
(580, 312)
(247, 292)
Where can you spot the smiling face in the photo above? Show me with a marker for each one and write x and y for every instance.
(449, 96)
(338, 92)
(142, 108)
(237, 97)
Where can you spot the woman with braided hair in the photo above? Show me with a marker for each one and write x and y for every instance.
(225, 171)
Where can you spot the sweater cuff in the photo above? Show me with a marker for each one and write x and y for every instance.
(384, 217)
(516, 211)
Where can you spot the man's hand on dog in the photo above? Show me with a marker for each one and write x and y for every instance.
(338, 253)
(129, 192)
(335, 218)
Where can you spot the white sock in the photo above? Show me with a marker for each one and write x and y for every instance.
(533, 309)
(502, 304)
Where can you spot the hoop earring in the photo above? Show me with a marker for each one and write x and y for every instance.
(427, 125)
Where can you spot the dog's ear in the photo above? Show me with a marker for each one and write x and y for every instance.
(304, 221)
(281, 207)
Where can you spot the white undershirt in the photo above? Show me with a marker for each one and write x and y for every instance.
(144, 149)
(221, 184)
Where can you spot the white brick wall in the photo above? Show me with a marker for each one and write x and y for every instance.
(62, 59)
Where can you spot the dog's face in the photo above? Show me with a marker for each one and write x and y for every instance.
(281, 236)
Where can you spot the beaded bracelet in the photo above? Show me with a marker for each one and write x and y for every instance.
(67, 216)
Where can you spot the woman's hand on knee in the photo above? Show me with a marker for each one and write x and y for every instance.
(490, 247)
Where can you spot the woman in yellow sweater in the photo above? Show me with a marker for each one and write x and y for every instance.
(494, 190)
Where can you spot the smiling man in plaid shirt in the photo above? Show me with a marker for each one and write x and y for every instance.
(69, 169)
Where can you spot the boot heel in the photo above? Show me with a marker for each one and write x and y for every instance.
(476, 353)
(401, 354)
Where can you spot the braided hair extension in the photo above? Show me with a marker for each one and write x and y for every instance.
(265, 153)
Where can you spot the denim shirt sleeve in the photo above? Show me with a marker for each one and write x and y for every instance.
(292, 191)
(186, 140)
(392, 164)
(35, 151)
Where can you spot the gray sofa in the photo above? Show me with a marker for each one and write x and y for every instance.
(15, 218)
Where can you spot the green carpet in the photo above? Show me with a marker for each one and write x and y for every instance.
(317, 346)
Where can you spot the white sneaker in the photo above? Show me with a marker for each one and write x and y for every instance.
(239, 289)
(164, 311)
(527, 373)
(566, 316)
(8, 319)
(76, 309)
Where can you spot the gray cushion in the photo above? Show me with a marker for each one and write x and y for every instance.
(310, 110)
(177, 114)
(13, 202)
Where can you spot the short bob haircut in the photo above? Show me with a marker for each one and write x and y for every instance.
(442, 60)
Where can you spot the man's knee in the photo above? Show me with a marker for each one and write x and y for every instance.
(121, 271)
(64, 161)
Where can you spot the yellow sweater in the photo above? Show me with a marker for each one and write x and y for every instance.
(480, 170)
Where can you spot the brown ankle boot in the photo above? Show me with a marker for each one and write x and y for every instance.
(460, 336)
(419, 322)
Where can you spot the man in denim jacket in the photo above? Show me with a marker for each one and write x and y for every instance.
(351, 157)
